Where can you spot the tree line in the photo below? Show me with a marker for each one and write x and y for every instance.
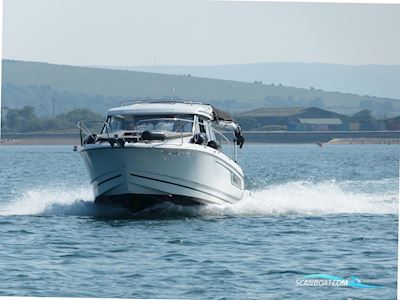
(25, 120)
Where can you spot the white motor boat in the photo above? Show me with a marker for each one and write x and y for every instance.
(151, 152)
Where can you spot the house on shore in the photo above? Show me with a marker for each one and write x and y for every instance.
(392, 123)
(293, 119)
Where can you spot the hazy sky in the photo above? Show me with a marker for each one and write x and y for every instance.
(197, 32)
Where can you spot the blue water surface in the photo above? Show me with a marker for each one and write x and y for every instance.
(308, 210)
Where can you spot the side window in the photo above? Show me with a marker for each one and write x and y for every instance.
(104, 129)
(116, 123)
(202, 127)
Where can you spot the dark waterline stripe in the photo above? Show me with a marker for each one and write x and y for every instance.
(177, 184)
(104, 181)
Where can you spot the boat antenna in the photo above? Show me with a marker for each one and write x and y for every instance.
(172, 94)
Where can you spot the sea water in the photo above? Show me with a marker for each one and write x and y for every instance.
(307, 210)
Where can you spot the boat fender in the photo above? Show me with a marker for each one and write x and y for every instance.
(199, 139)
(213, 144)
(91, 139)
(121, 142)
(112, 141)
(239, 138)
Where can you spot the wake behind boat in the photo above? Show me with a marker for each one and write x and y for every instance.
(151, 152)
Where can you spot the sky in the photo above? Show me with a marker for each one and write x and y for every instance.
(198, 32)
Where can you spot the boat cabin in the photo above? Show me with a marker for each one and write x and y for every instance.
(166, 121)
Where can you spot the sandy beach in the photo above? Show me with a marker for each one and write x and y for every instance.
(40, 141)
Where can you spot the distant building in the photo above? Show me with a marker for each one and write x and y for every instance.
(293, 119)
(392, 123)
(354, 126)
(318, 124)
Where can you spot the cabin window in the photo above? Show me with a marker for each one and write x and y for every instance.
(117, 123)
(202, 127)
(169, 123)
(211, 133)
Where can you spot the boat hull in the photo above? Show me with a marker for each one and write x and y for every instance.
(141, 176)
(140, 202)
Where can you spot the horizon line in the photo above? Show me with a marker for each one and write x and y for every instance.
(204, 65)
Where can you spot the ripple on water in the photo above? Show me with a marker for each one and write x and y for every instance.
(304, 213)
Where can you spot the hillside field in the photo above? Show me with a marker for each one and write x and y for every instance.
(37, 84)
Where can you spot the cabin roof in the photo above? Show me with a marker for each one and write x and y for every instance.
(163, 108)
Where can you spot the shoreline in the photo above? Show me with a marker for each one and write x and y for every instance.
(335, 141)
(363, 141)
(41, 141)
(251, 137)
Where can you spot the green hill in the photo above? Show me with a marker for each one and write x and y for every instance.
(35, 84)
(374, 80)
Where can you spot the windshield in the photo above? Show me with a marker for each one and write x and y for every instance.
(171, 123)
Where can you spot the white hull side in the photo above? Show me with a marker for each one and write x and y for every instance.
(187, 171)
